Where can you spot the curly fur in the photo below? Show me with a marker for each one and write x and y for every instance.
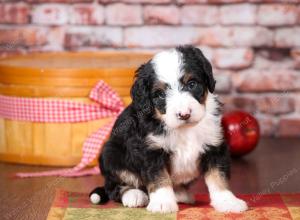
(155, 147)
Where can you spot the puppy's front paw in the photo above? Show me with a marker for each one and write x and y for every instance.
(162, 206)
(227, 202)
(134, 198)
(163, 200)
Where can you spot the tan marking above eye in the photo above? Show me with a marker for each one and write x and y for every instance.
(158, 85)
(186, 77)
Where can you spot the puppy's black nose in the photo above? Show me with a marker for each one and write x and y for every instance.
(184, 116)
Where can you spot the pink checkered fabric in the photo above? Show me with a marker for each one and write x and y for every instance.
(107, 104)
(61, 111)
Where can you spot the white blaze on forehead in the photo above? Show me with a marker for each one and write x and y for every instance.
(167, 66)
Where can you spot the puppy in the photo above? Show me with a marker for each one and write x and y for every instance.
(167, 137)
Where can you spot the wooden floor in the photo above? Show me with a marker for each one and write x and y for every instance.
(273, 167)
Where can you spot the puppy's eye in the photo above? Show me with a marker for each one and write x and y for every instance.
(192, 84)
(159, 94)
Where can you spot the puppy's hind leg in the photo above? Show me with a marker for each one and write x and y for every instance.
(127, 194)
(131, 194)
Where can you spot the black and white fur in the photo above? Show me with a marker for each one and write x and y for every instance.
(167, 137)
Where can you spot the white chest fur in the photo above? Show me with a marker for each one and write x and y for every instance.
(186, 144)
(185, 157)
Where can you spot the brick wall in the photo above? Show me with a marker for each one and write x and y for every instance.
(254, 45)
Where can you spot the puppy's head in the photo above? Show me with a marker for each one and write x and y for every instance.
(173, 86)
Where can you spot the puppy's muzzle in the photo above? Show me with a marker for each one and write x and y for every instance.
(184, 115)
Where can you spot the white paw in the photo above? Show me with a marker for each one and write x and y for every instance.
(162, 206)
(227, 202)
(183, 196)
(134, 198)
(163, 200)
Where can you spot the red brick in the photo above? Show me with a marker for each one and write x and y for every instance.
(17, 51)
(275, 1)
(226, 1)
(191, 1)
(237, 36)
(273, 58)
(287, 37)
(205, 15)
(223, 84)
(55, 39)
(145, 1)
(160, 36)
(53, 14)
(262, 62)
(121, 14)
(209, 1)
(86, 14)
(238, 14)
(267, 80)
(278, 54)
(233, 58)
(295, 53)
(59, 1)
(212, 36)
(207, 51)
(297, 102)
(161, 15)
(289, 127)
(275, 104)
(244, 103)
(22, 37)
(226, 99)
(277, 14)
(267, 125)
(96, 36)
(15, 13)
(299, 13)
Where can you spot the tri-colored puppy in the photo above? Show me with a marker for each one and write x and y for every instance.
(167, 137)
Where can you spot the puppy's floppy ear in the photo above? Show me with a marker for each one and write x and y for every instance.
(195, 54)
(140, 91)
(211, 82)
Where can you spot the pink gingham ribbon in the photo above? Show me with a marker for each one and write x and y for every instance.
(108, 104)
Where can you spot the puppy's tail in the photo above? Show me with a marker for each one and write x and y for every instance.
(98, 196)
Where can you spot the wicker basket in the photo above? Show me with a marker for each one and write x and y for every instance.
(68, 76)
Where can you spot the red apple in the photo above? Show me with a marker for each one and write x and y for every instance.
(241, 132)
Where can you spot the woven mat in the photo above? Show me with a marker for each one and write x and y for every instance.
(76, 206)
